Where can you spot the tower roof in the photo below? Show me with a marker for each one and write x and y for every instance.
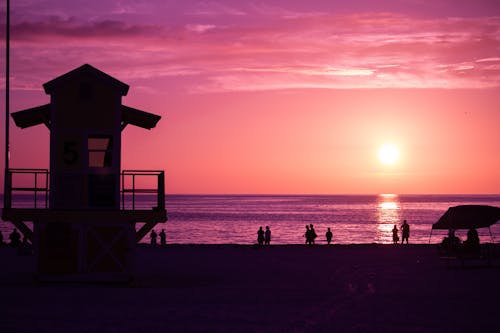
(41, 115)
(52, 85)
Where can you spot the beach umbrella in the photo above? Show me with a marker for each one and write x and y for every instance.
(467, 217)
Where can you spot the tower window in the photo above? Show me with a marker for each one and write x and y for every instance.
(100, 149)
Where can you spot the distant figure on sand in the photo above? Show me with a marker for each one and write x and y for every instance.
(405, 232)
(395, 237)
(260, 236)
(153, 237)
(308, 236)
(15, 238)
(267, 236)
(329, 236)
(313, 233)
(1, 238)
(163, 237)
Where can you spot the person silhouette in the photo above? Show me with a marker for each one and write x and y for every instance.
(395, 237)
(472, 244)
(15, 238)
(267, 236)
(329, 236)
(163, 237)
(1, 238)
(405, 232)
(260, 236)
(451, 243)
(153, 236)
(313, 233)
(308, 236)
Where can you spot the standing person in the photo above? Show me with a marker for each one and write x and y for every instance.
(163, 237)
(260, 236)
(313, 233)
(307, 235)
(405, 232)
(329, 236)
(395, 237)
(1, 238)
(267, 238)
(153, 236)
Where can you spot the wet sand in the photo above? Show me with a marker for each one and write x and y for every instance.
(285, 288)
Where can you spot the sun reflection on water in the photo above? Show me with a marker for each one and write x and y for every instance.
(388, 214)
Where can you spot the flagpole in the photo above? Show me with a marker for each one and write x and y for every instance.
(6, 180)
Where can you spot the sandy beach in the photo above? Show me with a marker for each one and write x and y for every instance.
(239, 288)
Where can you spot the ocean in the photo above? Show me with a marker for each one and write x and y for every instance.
(353, 219)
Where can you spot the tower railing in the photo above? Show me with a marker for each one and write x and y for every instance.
(31, 185)
(139, 189)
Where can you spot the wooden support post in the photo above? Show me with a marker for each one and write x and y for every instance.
(144, 230)
(161, 191)
(23, 228)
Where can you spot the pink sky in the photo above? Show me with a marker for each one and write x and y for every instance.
(280, 96)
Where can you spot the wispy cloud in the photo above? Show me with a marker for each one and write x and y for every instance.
(201, 28)
(59, 28)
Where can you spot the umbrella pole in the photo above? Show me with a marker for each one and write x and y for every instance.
(430, 236)
(491, 235)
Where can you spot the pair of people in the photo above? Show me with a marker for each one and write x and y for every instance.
(264, 237)
(405, 233)
(154, 235)
(453, 244)
(310, 234)
(471, 245)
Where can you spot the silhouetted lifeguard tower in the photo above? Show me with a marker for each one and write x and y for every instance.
(85, 209)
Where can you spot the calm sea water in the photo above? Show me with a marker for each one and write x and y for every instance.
(216, 219)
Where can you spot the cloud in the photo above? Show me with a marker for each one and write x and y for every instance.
(59, 28)
(493, 59)
(270, 51)
(200, 28)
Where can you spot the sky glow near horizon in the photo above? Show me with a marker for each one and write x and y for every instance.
(280, 96)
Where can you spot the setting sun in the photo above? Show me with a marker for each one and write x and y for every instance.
(388, 154)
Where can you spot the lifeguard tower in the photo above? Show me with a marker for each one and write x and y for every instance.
(87, 214)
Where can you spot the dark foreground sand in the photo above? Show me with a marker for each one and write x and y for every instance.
(231, 288)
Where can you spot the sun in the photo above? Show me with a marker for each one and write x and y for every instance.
(388, 154)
